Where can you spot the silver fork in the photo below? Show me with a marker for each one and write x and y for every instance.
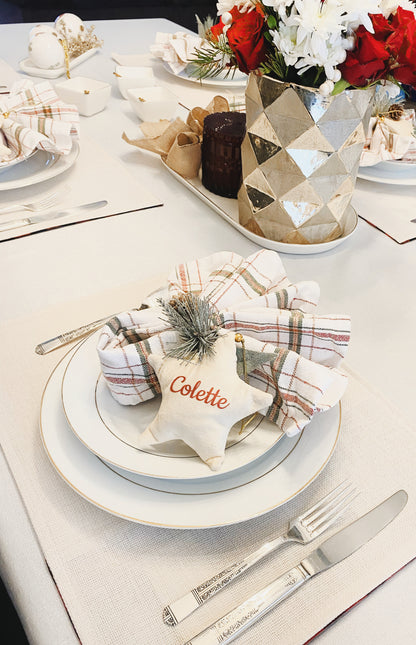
(37, 205)
(302, 529)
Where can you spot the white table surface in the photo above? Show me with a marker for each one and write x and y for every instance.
(369, 276)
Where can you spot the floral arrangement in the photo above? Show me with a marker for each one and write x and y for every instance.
(325, 44)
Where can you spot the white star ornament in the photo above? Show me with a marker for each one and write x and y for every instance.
(202, 400)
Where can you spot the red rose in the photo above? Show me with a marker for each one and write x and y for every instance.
(367, 61)
(246, 39)
(402, 47)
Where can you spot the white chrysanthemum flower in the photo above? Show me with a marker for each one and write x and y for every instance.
(278, 5)
(357, 13)
(225, 6)
(388, 7)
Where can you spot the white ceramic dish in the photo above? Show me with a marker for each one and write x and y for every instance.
(228, 209)
(129, 78)
(153, 103)
(238, 80)
(90, 96)
(40, 167)
(28, 67)
(94, 481)
(109, 429)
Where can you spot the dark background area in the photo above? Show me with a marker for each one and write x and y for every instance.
(179, 11)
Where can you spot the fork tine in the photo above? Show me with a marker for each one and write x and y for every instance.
(324, 523)
(325, 500)
(324, 508)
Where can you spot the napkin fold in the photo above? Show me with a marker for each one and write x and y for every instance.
(388, 139)
(33, 116)
(254, 297)
(177, 49)
(179, 143)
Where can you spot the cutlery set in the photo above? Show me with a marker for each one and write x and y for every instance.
(47, 217)
(305, 528)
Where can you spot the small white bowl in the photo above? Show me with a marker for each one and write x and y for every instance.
(131, 77)
(90, 96)
(153, 103)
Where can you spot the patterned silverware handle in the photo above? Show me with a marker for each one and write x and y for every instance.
(68, 337)
(183, 607)
(239, 619)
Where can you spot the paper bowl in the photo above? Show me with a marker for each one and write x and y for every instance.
(133, 77)
(90, 96)
(153, 103)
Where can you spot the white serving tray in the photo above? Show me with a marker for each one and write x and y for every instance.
(29, 68)
(228, 209)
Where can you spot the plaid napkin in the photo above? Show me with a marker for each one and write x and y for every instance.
(291, 352)
(35, 117)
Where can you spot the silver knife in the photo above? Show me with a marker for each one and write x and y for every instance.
(330, 552)
(36, 219)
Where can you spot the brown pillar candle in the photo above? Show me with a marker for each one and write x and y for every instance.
(221, 152)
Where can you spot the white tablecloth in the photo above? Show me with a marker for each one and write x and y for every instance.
(369, 276)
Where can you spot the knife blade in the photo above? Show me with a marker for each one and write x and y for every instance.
(36, 219)
(331, 552)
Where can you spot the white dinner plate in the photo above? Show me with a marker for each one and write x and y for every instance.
(228, 209)
(238, 80)
(110, 430)
(40, 167)
(6, 165)
(97, 483)
(390, 172)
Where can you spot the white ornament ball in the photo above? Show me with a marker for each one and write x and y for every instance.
(227, 18)
(70, 25)
(42, 29)
(336, 75)
(46, 52)
(326, 88)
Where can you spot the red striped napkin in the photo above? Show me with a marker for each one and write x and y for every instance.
(35, 117)
(253, 296)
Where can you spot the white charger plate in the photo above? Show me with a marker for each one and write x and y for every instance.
(40, 167)
(95, 482)
(228, 209)
(109, 429)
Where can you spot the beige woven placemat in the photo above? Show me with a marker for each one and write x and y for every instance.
(116, 576)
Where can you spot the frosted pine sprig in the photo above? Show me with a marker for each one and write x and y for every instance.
(197, 324)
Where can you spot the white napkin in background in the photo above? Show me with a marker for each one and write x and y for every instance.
(388, 139)
(176, 49)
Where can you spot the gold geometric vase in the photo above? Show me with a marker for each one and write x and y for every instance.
(300, 158)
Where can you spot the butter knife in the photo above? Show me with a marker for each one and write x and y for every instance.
(334, 550)
(36, 219)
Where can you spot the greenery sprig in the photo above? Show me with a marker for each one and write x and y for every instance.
(197, 324)
(212, 59)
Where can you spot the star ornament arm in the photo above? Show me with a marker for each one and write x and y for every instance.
(201, 401)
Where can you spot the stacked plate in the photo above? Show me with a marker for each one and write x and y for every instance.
(91, 441)
(37, 167)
